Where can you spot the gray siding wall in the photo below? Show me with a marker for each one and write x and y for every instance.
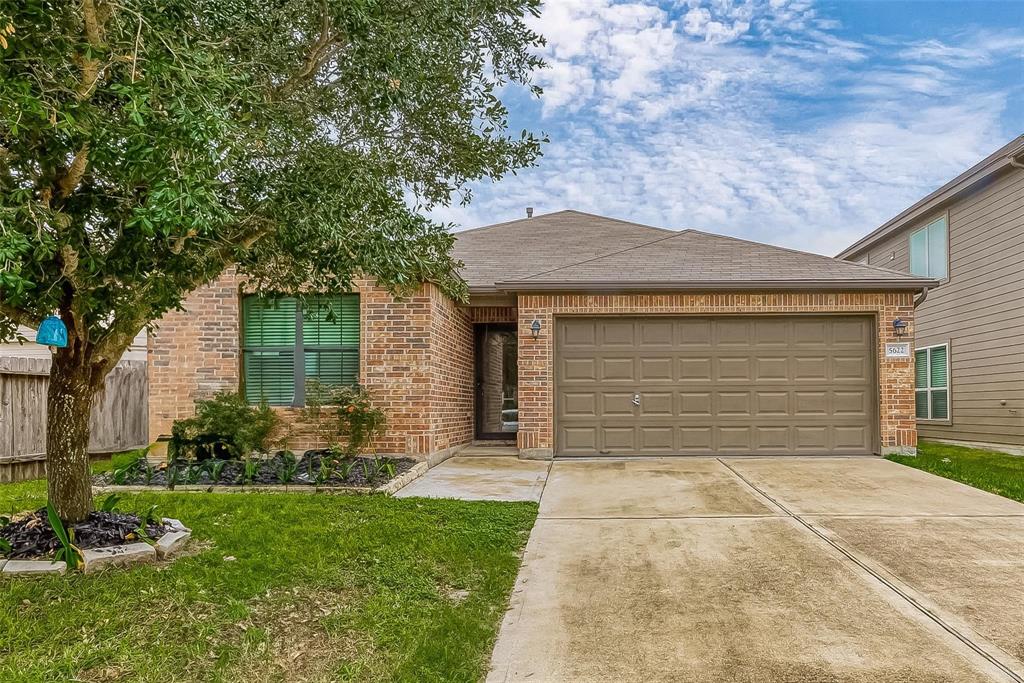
(979, 310)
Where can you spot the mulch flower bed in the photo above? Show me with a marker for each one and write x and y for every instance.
(31, 535)
(313, 468)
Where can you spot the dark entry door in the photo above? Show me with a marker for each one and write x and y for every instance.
(497, 382)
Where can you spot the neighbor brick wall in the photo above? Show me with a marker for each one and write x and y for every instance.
(416, 358)
(898, 429)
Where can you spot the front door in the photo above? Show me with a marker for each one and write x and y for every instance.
(497, 381)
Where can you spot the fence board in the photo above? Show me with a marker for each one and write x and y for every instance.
(119, 419)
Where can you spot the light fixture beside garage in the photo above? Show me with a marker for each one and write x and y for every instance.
(535, 328)
(899, 326)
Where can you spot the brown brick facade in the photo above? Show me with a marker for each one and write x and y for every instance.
(536, 356)
(416, 358)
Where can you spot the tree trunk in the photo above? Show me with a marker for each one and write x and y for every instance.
(68, 406)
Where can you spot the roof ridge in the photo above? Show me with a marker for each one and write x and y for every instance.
(555, 213)
(675, 233)
(831, 259)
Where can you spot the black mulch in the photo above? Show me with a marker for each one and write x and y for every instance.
(31, 535)
(313, 468)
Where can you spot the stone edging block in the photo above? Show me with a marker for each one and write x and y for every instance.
(33, 567)
(404, 479)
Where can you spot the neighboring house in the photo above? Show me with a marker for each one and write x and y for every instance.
(582, 336)
(969, 235)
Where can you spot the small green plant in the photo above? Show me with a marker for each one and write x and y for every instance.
(110, 502)
(151, 517)
(287, 467)
(345, 468)
(68, 551)
(192, 473)
(388, 468)
(326, 471)
(120, 475)
(251, 469)
(216, 469)
(370, 469)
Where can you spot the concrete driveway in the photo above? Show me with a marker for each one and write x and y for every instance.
(787, 569)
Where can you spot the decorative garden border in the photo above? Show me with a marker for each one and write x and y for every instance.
(94, 559)
(389, 488)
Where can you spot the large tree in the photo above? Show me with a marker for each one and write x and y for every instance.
(148, 145)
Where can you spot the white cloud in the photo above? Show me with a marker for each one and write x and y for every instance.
(749, 118)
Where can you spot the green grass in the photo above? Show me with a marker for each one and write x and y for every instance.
(321, 588)
(987, 470)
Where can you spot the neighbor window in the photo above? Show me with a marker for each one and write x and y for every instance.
(928, 256)
(286, 342)
(931, 380)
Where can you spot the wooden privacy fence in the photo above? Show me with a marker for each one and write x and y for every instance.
(119, 414)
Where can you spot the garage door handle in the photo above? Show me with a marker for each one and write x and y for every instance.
(636, 399)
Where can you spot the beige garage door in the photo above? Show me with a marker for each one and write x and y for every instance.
(714, 385)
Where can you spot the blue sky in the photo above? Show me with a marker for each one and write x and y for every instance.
(785, 121)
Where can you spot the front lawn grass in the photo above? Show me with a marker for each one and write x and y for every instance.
(277, 587)
(987, 470)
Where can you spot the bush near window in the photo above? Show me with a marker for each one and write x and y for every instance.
(345, 417)
(224, 427)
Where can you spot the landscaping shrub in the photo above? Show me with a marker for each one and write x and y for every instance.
(344, 416)
(224, 427)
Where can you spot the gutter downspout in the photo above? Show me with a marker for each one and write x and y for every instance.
(924, 293)
(1014, 162)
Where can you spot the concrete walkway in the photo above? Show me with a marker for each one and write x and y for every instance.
(767, 570)
(481, 478)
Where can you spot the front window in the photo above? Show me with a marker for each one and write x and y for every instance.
(928, 254)
(931, 380)
(287, 342)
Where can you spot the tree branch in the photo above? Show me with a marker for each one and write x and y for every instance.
(93, 35)
(70, 179)
(319, 52)
(19, 316)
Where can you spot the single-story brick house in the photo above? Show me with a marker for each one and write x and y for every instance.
(583, 336)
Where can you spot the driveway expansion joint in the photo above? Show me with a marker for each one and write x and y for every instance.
(983, 651)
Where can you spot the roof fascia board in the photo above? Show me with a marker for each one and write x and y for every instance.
(720, 285)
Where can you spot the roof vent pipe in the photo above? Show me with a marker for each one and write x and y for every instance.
(529, 212)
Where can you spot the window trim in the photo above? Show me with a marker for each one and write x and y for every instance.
(300, 346)
(948, 420)
(924, 225)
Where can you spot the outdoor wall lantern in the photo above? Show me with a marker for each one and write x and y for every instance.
(52, 332)
(899, 327)
(535, 328)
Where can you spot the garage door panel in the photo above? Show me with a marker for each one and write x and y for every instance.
(657, 332)
(657, 404)
(772, 403)
(810, 369)
(695, 403)
(617, 370)
(774, 368)
(811, 438)
(755, 385)
(807, 403)
(733, 403)
(578, 404)
(617, 404)
(734, 369)
(619, 440)
(695, 369)
(614, 333)
(579, 369)
(849, 368)
(657, 369)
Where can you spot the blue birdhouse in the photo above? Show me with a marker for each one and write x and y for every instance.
(52, 332)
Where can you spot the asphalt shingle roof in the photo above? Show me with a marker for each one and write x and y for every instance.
(567, 248)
